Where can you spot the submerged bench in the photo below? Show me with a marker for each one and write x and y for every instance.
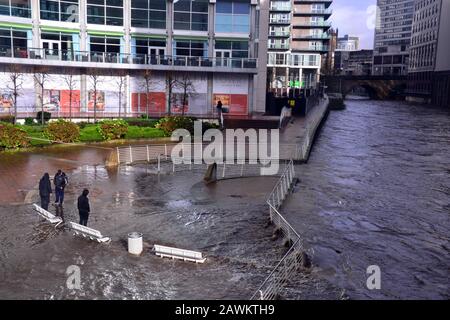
(47, 215)
(87, 232)
(181, 254)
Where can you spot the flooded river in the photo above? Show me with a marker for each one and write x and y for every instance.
(376, 191)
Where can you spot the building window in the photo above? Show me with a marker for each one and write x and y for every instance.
(191, 48)
(148, 46)
(108, 12)
(148, 14)
(16, 8)
(238, 49)
(60, 10)
(13, 43)
(233, 16)
(106, 44)
(191, 15)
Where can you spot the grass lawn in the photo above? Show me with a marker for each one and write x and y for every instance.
(143, 133)
(36, 132)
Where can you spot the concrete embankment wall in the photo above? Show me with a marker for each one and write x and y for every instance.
(302, 131)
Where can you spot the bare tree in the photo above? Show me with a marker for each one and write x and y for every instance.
(41, 76)
(15, 85)
(147, 84)
(120, 81)
(184, 83)
(71, 81)
(95, 79)
(171, 83)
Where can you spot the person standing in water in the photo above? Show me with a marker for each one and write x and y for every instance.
(45, 189)
(83, 207)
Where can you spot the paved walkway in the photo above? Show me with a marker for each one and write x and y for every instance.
(301, 131)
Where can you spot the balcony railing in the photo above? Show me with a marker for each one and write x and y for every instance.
(313, 24)
(278, 46)
(327, 11)
(279, 33)
(121, 58)
(323, 36)
(280, 21)
(280, 6)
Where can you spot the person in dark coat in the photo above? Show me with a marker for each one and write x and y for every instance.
(45, 189)
(83, 207)
(60, 181)
(219, 109)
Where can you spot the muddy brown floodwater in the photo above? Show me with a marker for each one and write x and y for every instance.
(376, 191)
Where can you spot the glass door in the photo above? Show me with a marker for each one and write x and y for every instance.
(51, 49)
(223, 58)
(156, 54)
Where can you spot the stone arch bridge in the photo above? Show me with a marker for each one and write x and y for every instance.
(378, 87)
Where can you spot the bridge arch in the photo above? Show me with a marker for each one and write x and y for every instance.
(371, 90)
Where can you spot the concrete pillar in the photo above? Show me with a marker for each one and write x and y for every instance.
(127, 26)
(211, 28)
(83, 27)
(35, 13)
(261, 41)
(169, 30)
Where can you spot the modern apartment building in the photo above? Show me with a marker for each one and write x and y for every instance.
(298, 37)
(125, 55)
(392, 37)
(429, 53)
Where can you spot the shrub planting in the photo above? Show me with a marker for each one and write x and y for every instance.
(62, 131)
(113, 129)
(169, 124)
(12, 136)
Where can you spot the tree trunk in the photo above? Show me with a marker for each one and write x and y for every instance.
(15, 108)
(184, 102)
(70, 105)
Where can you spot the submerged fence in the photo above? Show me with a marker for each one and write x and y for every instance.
(149, 153)
(293, 259)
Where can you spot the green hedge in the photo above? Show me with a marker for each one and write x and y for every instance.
(12, 136)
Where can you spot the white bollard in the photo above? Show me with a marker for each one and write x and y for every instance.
(135, 244)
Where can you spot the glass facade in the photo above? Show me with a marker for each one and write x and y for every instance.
(13, 42)
(239, 49)
(60, 10)
(107, 12)
(191, 15)
(233, 16)
(194, 48)
(16, 8)
(142, 45)
(148, 14)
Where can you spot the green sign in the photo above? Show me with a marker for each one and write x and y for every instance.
(295, 84)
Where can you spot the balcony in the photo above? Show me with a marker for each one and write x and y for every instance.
(278, 46)
(327, 3)
(281, 6)
(313, 12)
(322, 36)
(40, 56)
(279, 21)
(284, 34)
(309, 24)
(321, 48)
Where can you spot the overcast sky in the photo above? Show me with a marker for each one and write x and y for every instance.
(355, 17)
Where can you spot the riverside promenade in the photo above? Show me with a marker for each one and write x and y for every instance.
(301, 131)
